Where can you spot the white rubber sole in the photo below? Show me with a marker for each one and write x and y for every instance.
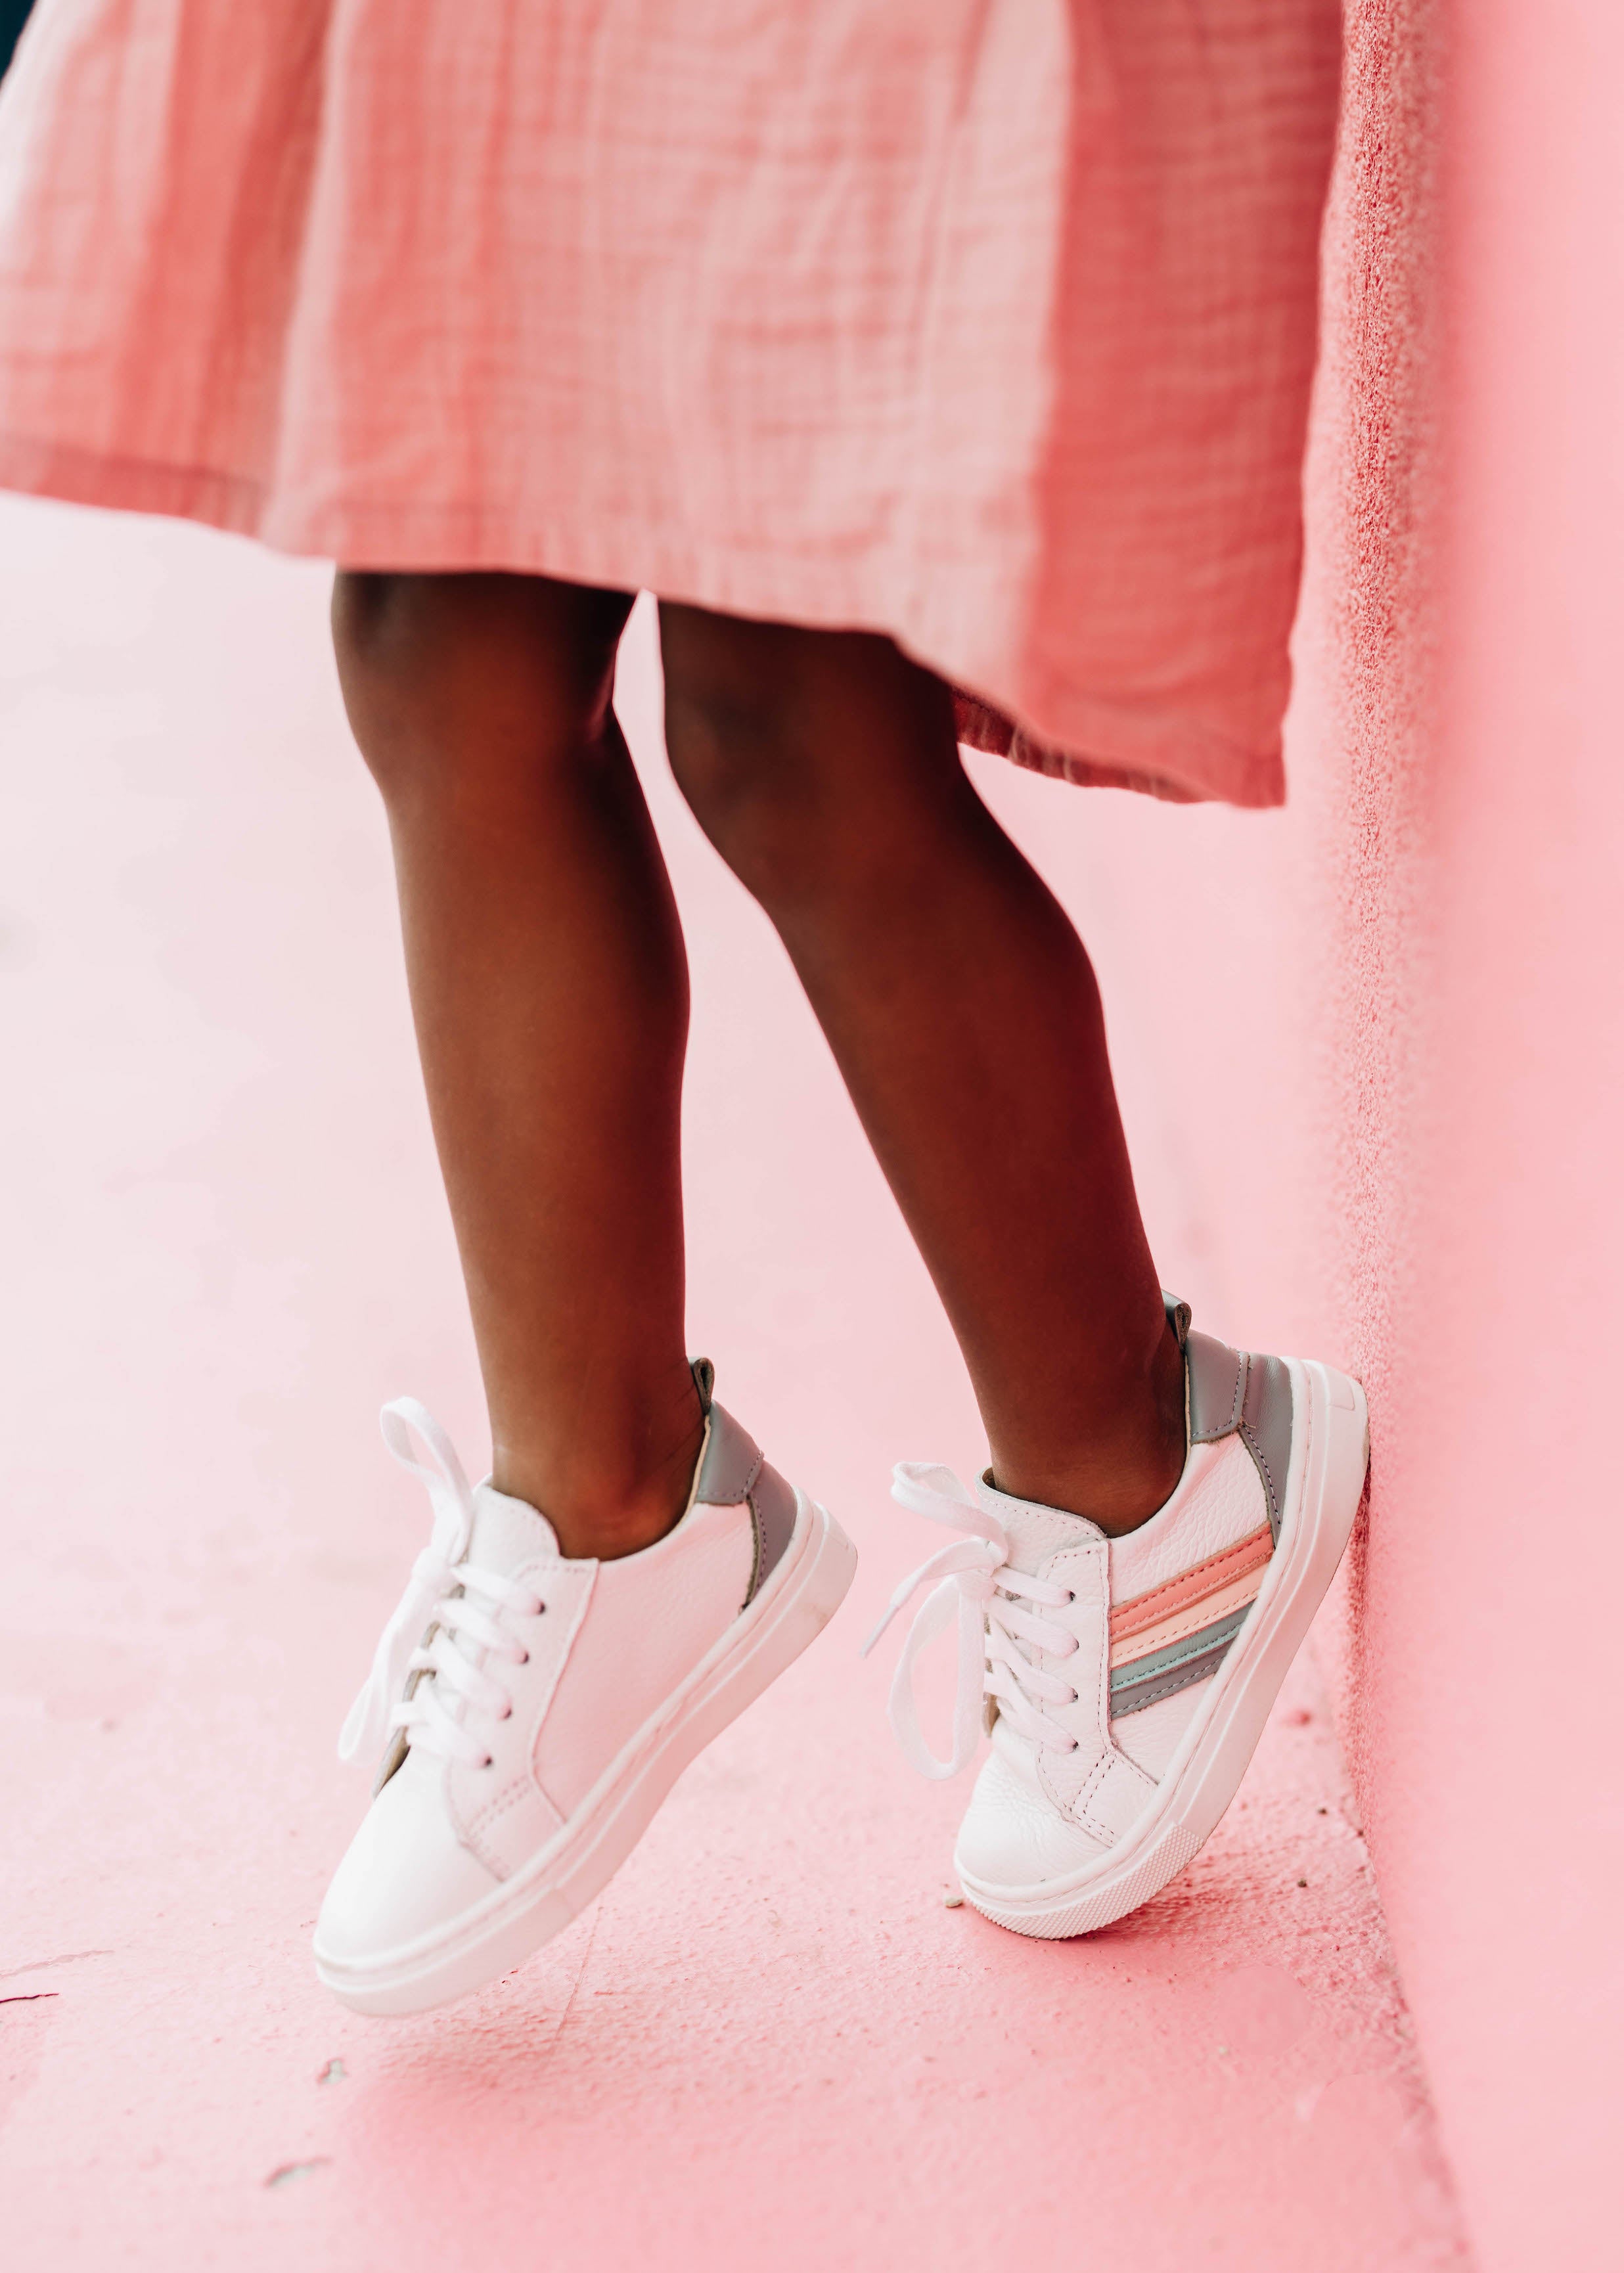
(1326, 1481)
(538, 1902)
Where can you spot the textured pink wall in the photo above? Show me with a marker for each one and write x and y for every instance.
(1399, 1032)
(1493, 1715)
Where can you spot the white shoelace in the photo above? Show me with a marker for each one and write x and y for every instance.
(433, 1691)
(974, 1579)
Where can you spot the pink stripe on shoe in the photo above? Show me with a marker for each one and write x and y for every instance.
(1195, 1585)
(1179, 1624)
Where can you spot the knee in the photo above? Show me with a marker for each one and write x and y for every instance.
(455, 677)
(734, 736)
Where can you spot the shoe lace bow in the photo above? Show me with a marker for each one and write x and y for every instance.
(998, 1611)
(421, 1681)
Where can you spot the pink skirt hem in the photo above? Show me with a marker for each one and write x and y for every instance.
(1177, 760)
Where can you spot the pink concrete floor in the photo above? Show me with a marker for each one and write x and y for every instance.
(770, 2042)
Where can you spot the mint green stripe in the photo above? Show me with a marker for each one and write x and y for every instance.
(1217, 1636)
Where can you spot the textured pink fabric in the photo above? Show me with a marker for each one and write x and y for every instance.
(989, 323)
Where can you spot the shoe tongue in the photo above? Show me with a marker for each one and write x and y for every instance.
(508, 1532)
(505, 1535)
(1035, 1531)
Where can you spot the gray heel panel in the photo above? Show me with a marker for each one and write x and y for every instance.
(1230, 1390)
(1217, 1388)
(728, 1464)
(772, 1503)
(1265, 1429)
(732, 1470)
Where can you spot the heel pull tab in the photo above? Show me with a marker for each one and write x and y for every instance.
(704, 1381)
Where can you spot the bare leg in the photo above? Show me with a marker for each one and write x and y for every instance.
(964, 1017)
(550, 991)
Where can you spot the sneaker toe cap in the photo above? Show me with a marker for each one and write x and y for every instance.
(406, 1872)
(1014, 1835)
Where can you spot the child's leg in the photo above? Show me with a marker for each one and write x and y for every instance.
(550, 991)
(966, 1019)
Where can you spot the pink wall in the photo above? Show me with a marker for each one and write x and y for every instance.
(1395, 1014)
(1493, 1717)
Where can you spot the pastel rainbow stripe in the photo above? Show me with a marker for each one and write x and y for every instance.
(1177, 1633)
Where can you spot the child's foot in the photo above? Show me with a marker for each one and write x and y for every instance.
(537, 1710)
(1126, 1681)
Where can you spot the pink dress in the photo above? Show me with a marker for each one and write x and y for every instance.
(987, 323)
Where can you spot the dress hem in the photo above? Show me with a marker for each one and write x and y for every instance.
(1093, 745)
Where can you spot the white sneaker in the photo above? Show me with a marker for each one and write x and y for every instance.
(1125, 1682)
(536, 1709)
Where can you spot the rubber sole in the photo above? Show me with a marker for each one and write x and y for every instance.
(511, 1924)
(1326, 1481)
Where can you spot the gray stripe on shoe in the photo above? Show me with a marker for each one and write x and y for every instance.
(1146, 1672)
(1168, 1685)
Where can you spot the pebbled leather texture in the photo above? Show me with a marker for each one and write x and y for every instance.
(1219, 1501)
(1012, 1834)
(1150, 1737)
(1035, 1531)
(1115, 1797)
(1265, 1429)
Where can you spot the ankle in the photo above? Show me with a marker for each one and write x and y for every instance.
(601, 1506)
(1124, 1471)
